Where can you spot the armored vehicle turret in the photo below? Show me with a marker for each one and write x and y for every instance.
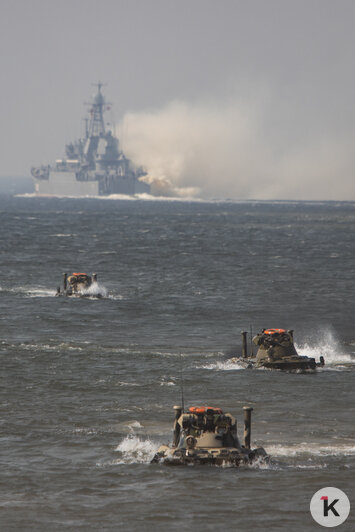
(205, 435)
(276, 350)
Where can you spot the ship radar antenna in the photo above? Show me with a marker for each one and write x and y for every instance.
(86, 128)
(99, 84)
(97, 108)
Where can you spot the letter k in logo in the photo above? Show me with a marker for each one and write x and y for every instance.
(327, 507)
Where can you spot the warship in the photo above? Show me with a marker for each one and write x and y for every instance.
(79, 284)
(275, 350)
(205, 435)
(92, 166)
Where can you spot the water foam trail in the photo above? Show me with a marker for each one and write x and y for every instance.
(30, 291)
(95, 290)
(135, 450)
(329, 347)
(311, 449)
(225, 365)
(40, 292)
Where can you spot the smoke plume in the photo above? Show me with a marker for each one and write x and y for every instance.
(240, 150)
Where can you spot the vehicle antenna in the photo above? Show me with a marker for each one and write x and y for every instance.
(182, 385)
(251, 340)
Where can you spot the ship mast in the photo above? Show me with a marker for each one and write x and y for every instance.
(97, 124)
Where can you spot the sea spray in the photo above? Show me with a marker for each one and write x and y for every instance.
(95, 290)
(136, 450)
(325, 345)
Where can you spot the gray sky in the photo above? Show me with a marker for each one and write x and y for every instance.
(233, 98)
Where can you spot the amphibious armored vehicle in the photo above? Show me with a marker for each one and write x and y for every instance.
(78, 284)
(276, 350)
(205, 435)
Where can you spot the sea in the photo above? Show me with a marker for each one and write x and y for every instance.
(88, 385)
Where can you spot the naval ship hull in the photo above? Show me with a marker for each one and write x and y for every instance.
(66, 184)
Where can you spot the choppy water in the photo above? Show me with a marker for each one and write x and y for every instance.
(87, 385)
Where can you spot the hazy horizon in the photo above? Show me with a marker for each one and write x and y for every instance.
(233, 99)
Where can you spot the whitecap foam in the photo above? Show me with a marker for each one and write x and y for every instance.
(134, 425)
(123, 383)
(85, 430)
(63, 235)
(134, 450)
(165, 382)
(47, 347)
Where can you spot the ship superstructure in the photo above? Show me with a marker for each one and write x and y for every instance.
(92, 166)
